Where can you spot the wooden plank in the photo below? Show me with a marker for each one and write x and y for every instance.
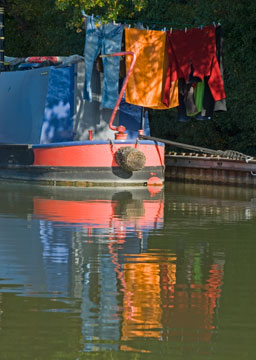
(210, 170)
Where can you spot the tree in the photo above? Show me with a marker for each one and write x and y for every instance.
(35, 27)
(108, 10)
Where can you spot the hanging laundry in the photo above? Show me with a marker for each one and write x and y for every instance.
(146, 83)
(197, 95)
(194, 52)
(198, 92)
(191, 96)
(209, 104)
(104, 39)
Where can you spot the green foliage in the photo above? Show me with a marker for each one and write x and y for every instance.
(107, 10)
(35, 27)
(55, 27)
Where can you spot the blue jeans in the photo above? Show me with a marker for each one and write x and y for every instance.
(104, 39)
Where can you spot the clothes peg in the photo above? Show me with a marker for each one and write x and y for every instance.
(164, 29)
(171, 30)
(147, 28)
(129, 26)
(84, 14)
(186, 29)
(214, 23)
(139, 25)
(201, 27)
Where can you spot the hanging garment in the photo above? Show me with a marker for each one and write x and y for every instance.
(146, 84)
(220, 105)
(198, 94)
(194, 50)
(191, 97)
(104, 39)
(209, 105)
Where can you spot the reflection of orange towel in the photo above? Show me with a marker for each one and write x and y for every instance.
(142, 311)
(146, 83)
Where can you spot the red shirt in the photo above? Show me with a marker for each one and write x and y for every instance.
(194, 51)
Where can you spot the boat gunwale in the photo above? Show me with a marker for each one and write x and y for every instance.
(97, 142)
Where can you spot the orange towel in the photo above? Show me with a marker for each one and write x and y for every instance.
(146, 84)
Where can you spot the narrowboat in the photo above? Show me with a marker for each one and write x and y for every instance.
(50, 135)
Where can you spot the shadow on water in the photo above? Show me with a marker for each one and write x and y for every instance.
(124, 273)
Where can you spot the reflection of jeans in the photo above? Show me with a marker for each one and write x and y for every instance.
(105, 39)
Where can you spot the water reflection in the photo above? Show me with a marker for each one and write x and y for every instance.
(211, 203)
(139, 271)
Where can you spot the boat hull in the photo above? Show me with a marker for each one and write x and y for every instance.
(89, 163)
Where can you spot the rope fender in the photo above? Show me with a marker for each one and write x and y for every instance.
(130, 159)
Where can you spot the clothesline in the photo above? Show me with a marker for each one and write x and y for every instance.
(153, 22)
(144, 21)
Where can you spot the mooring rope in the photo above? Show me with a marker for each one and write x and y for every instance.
(231, 154)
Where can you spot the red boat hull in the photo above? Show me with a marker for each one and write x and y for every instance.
(88, 163)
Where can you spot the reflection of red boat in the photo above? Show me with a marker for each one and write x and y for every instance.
(137, 212)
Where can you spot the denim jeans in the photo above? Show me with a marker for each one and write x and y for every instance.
(104, 39)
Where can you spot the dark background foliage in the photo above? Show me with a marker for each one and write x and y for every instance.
(39, 27)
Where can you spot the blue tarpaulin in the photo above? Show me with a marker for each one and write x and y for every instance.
(22, 103)
(59, 108)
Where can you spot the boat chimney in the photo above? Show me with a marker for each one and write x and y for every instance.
(2, 67)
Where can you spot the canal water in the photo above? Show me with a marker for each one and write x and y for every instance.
(127, 273)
